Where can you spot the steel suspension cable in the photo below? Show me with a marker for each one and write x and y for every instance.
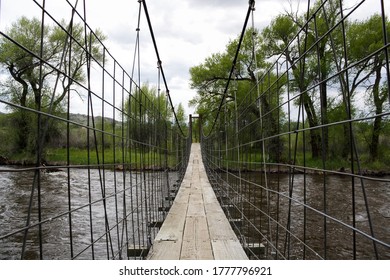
(261, 125)
(88, 50)
(159, 62)
(251, 4)
(136, 235)
(385, 42)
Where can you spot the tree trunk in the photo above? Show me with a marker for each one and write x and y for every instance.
(270, 126)
(21, 121)
(346, 145)
(377, 128)
(315, 137)
(324, 105)
(375, 138)
(22, 130)
(324, 119)
(23, 83)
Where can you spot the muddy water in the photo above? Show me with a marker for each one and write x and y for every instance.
(66, 236)
(312, 235)
(325, 227)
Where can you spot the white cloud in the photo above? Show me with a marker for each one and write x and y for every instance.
(186, 31)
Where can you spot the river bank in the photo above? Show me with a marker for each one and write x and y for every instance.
(52, 166)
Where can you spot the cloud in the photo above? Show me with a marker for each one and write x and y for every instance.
(218, 3)
(186, 31)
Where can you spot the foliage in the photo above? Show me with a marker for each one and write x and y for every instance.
(328, 65)
(181, 117)
(146, 113)
(37, 65)
(365, 39)
(82, 157)
(210, 80)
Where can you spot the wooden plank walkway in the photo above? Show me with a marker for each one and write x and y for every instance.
(196, 227)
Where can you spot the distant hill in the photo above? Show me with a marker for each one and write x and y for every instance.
(77, 118)
(83, 119)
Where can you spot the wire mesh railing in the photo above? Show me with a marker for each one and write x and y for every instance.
(299, 152)
(90, 157)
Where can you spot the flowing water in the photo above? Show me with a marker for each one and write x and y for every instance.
(65, 236)
(318, 221)
(92, 220)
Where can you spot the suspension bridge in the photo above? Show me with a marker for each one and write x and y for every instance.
(125, 180)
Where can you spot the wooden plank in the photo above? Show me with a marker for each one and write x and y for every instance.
(209, 195)
(219, 228)
(196, 188)
(182, 196)
(228, 250)
(224, 241)
(168, 242)
(172, 228)
(196, 240)
(196, 209)
(165, 250)
(212, 206)
(186, 183)
(196, 196)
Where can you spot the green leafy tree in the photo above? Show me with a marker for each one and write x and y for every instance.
(40, 77)
(210, 79)
(145, 111)
(312, 47)
(365, 39)
(181, 117)
(279, 39)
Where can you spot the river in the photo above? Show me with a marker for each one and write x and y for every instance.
(303, 228)
(66, 236)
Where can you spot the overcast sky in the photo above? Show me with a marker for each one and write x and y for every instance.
(186, 31)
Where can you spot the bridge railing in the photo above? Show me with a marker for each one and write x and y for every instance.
(90, 158)
(291, 160)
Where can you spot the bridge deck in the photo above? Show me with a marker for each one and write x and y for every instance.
(196, 227)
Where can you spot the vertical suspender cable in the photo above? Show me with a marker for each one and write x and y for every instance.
(385, 43)
(88, 50)
(37, 173)
(264, 163)
(251, 3)
(39, 132)
(160, 63)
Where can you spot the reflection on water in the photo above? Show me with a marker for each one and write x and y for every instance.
(66, 236)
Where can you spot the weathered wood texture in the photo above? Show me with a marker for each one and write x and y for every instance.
(196, 227)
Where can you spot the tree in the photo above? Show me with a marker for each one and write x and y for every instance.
(146, 110)
(182, 119)
(280, 39)
(37, 72)
(365, 38)
(312, 46)
(210, 79)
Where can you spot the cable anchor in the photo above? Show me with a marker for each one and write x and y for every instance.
(252, 4)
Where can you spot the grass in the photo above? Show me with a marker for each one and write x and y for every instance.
(135, 158)
(252, 161)
(153, 159)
